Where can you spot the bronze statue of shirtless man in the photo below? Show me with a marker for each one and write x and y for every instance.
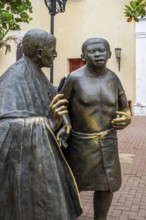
(97, 108)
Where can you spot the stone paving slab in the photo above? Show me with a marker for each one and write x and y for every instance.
(129, 202)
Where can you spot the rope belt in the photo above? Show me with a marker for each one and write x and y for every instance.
(84, 136)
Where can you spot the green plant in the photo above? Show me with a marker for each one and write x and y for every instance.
(12, 13)
(135, 10)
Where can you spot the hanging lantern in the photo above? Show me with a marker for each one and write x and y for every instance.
(55, 6)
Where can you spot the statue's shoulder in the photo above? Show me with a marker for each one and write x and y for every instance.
(13, 71)
(112, 75)
(78, 73)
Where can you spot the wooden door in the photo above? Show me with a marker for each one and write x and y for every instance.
(75, 63)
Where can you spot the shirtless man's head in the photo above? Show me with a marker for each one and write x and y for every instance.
(96, 52)
(94, 41)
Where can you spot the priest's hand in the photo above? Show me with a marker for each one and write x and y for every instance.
(57, 108)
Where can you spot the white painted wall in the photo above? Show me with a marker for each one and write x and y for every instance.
(140, 104)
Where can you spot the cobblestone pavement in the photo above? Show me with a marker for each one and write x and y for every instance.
(129, 202)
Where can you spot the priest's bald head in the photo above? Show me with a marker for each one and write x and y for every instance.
(40, 47)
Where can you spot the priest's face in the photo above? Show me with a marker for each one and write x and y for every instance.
(48, 54)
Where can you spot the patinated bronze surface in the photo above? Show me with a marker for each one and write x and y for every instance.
(97, 108)
(35, 181)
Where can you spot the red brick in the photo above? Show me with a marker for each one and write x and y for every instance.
(129, 203)
(135, 208)
(142, 213)
(123, 217)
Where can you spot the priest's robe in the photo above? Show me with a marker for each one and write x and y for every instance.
(36, 182)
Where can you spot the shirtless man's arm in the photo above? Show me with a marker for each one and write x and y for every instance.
(123, 114)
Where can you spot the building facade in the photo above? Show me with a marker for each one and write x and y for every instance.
(81, 20)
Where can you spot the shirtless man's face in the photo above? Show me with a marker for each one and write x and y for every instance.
(96, 54)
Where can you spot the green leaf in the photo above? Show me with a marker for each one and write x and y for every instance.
(136, 19)
(133, 4)
(135, 9)
(128, 14)
(12, 14)
(139, 8)
(128, 7)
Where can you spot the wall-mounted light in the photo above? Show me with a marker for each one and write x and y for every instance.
(118, 56)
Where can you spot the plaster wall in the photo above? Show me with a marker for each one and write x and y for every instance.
(84, 19)
(41, 19)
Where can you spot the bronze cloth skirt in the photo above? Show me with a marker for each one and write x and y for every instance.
(94, 161)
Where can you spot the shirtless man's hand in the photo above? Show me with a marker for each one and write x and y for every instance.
(123, 119)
